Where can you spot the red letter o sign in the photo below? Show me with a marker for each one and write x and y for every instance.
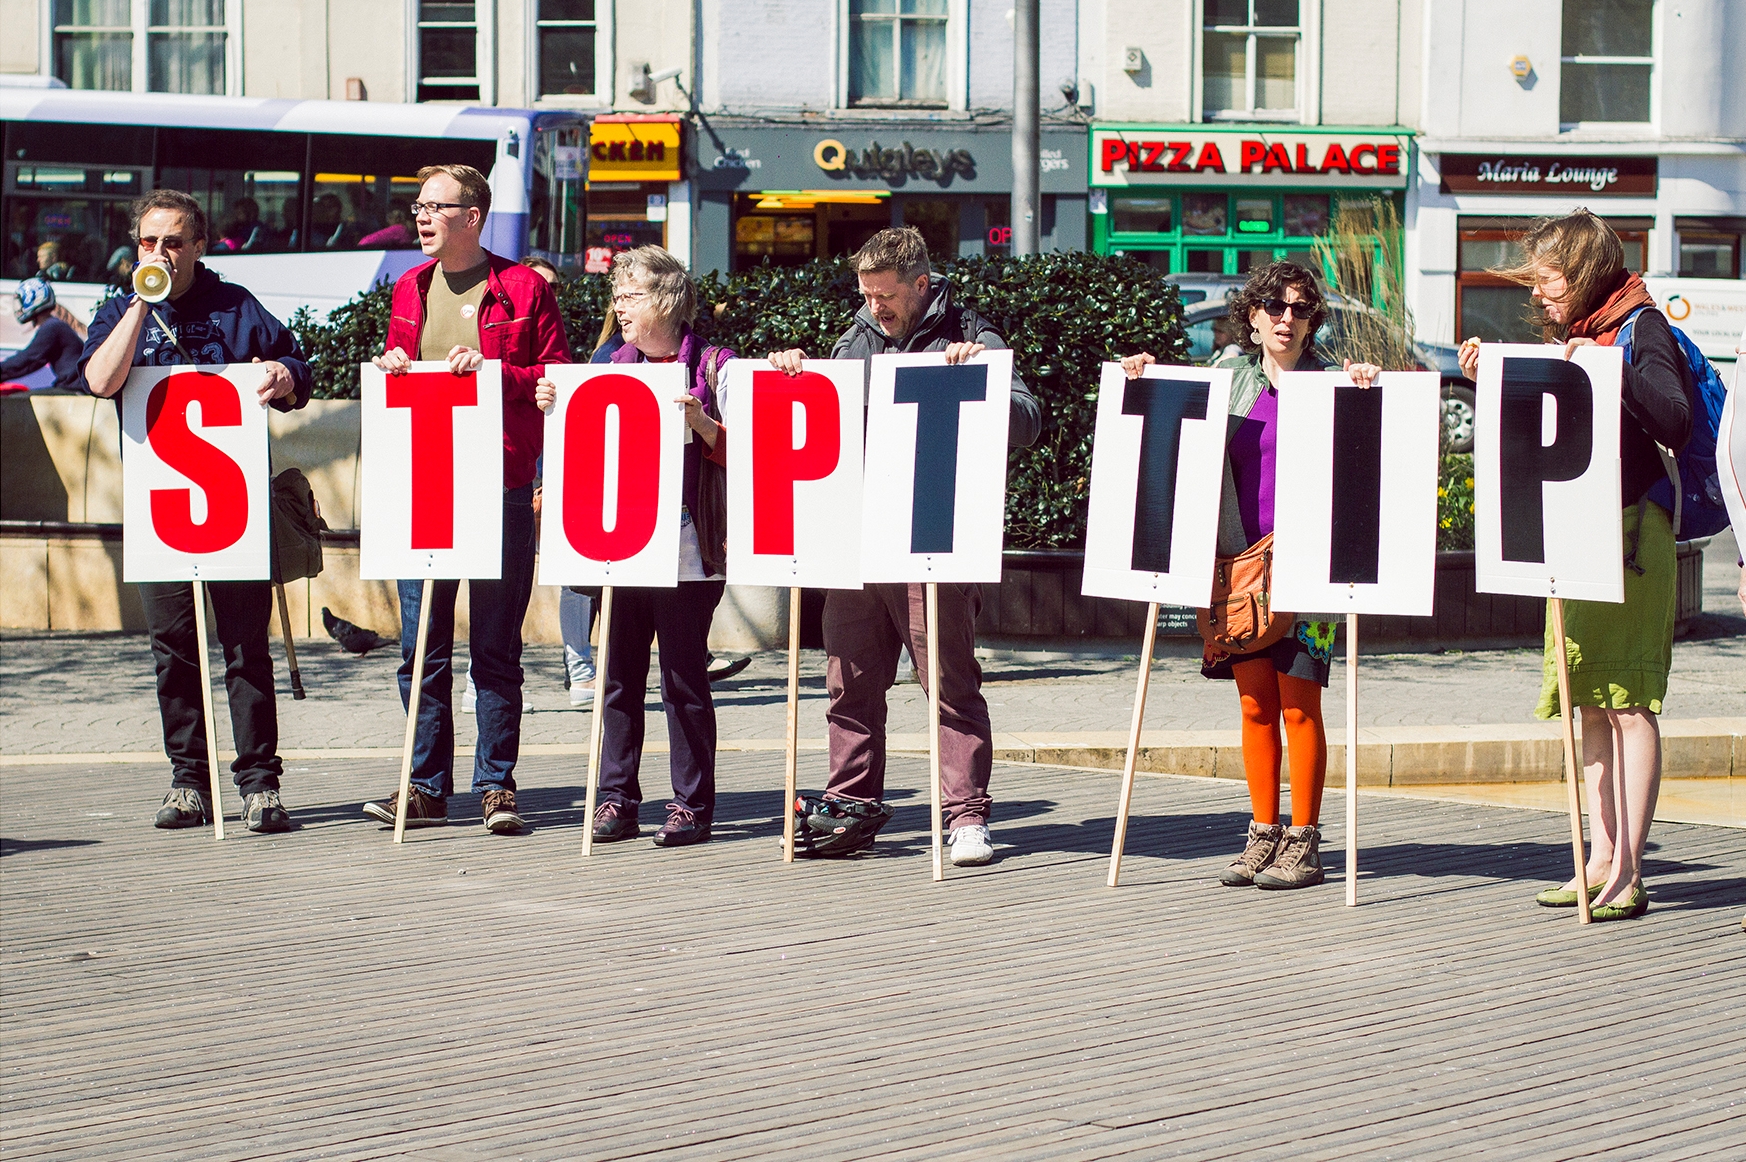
(585, 460)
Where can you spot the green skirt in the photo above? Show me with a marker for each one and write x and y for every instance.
(1619, 655)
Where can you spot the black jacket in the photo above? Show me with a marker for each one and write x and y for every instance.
(216, 322)
(944, 323)
(56, 344)
(1659, 403)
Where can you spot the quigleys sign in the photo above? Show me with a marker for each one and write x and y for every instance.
(1169, 155)
(894, 165)
(1555, 174)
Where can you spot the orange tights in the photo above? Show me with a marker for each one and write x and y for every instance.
(1267, 697)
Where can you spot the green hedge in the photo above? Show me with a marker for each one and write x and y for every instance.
(1063, 314)
(1455, 503)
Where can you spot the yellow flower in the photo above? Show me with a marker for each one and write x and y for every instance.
(1469, 479)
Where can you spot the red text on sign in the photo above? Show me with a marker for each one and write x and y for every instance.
(638, 457)
(214, 473)
(777, 463)
(433, 397)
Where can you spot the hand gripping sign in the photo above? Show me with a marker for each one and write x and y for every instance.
(1157, 471)
(195, 476)
(1355, 503)
(432, 473)
(1546, 472)
(615, 452)
(794, 478)
(934, 497)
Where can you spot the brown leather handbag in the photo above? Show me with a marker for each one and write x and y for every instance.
(1242, 619)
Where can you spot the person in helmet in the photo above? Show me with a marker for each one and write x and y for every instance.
(58, 340)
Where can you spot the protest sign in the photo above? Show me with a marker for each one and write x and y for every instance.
(1546, 472)
(196, 484)
(934, 498)
(1157, 471)
(614, 470)
(1731, 454)
(794, 477)
(432, 473)
(1355, 498)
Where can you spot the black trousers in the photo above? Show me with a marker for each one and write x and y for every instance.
(242, 610)
(680, 617)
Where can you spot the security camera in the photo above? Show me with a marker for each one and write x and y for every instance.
(664, 75)
(1070, 91)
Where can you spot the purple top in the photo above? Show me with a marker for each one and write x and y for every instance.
(1252, 454)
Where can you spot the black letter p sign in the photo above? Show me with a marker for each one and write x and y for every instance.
(1524, 463)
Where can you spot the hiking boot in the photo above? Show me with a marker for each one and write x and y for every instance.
(1262, 847)
(1299, 862)
(682, 829)
(498, 808)
(422, 810)
(183, 807)
(971, 845)
(613, 822)
(262, 811)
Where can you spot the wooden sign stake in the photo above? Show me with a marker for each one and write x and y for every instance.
(1571, 772)
(933, 634)
(290, 649)
(206, 708)
(790, 773)
(1351, 760)
(596, 729)
(415, 697)
(1145, 681)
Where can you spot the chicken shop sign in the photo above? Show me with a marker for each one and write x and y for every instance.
(1188, 155)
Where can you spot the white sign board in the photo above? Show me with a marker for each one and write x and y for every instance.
(196, 486)
(934, 499)
(794, 473)
(615, 461)
(1355, 493)
(432, 473)
(1546, 472)
(1157, 472)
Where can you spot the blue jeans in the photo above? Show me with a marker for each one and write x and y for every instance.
(497, 610)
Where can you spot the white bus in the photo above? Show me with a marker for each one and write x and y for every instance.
(307, 199)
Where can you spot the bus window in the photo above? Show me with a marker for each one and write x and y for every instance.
(555, 208)
(249, 183)
(68, 222)
(362, 188)
(79, 143)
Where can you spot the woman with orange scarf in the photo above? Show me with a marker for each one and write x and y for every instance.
(1619, 656)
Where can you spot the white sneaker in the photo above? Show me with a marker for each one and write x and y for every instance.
(971, 845)
(470, 700)
(581, 693)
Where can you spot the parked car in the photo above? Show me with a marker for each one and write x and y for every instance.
(1458, 391)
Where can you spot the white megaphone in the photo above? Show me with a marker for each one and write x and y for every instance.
(151, 281)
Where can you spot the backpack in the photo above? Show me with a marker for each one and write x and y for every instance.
(1698, 509)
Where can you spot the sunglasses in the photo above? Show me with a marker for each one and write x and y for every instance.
(1276, 309)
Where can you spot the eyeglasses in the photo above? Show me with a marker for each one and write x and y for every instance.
(1276, 309)
(619, 297)
(420, 208)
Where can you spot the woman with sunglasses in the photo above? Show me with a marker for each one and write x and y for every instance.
(1275, 317)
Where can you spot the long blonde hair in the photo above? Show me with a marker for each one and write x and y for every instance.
(1581, 247)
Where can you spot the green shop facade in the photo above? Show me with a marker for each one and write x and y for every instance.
(1204, 199)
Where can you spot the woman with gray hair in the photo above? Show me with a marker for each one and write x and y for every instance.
(655, 303)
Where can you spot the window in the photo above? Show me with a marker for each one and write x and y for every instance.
(1249, 59)
(249, 183)
(448, 50)
(1607, 61)
(1496, 309)
(1215, 231)
(897, 52)
(361, 188)
(567, 32)
(158, 46)
(1709, 247)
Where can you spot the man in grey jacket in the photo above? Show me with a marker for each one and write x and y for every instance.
(907, 308)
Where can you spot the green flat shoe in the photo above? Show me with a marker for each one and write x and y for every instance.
(1563, 897)
(1629, 910)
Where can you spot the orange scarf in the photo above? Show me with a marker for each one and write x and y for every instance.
(1602, 324)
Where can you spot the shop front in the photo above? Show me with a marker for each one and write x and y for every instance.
(635, 167)
(786, 194)
(1186, 199)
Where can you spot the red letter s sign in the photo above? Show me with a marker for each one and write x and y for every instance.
(217, 475)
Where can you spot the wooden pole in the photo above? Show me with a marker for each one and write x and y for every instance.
(1572, 775)
(414, 698)
(206, 709)
(596, 732)
(791, 769)
(290, 649)
(1351, 760)
(1145, 682)
(933, 635)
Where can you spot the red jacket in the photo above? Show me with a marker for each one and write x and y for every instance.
(518, 324)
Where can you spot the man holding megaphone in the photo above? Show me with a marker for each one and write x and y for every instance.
(183, 313)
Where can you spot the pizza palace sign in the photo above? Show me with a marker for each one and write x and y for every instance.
(1173, 155)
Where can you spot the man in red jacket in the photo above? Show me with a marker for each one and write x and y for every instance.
(462, 308)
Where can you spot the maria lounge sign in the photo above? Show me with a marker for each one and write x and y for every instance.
(1557, 174)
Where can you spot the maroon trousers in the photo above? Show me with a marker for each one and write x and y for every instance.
(865, 631)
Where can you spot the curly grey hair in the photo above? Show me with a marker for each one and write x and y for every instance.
(668, 285)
